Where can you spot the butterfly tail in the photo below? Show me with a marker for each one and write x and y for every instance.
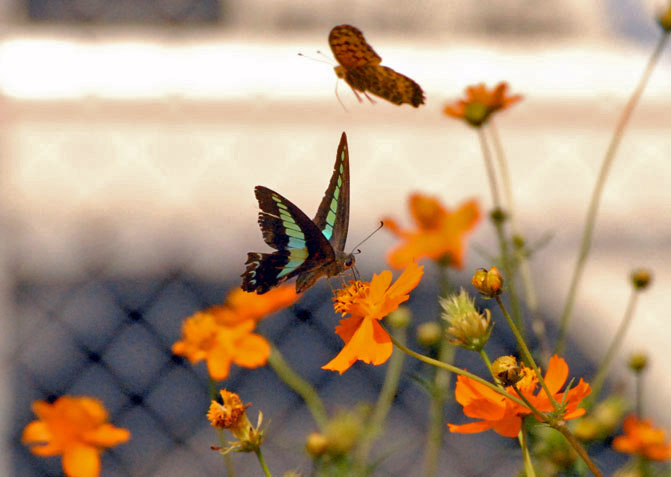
(265, 271)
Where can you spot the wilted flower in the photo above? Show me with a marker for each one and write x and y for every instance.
(506, 370)
(231, 415)
(480, 103)
(367, 303)
(439, 234)
(469, 328)
(664, 19)
(75, 428)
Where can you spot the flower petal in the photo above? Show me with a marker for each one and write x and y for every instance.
(107, 435)
(370, 344)
(509, 426)
(81, 461)
(218, 364)
(36, 432)
(252, 351)
(556, 375)
(471, 428)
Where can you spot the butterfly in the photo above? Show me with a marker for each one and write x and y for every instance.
(306, 249)
(360, 68)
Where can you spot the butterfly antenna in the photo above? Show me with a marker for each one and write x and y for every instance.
(369, 236)
(320, 60)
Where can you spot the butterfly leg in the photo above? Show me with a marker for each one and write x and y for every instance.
(372, 101)
(357, 95)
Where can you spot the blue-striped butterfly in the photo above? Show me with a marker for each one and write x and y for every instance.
(306, 249)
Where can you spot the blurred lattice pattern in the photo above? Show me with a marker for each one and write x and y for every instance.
(111, 337)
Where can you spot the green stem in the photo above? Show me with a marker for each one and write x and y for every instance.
(384, 402)
(521, 259)
(214, 392)
(561, 427)
(601, 374)
(300, 386)
(262, 461)
(528, 465)
(527, 354)
(485, 358)
(455, 370)
(436, 431)
(590, 221)
(508, 269)
(638, 380)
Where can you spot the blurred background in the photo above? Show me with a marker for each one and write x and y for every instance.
(133, 132)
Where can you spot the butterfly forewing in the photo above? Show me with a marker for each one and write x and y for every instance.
(333, 214)
(350, 47)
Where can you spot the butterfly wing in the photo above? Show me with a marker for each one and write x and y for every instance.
(350, 48)
(385, 83)
(301, 246)
(333, 214)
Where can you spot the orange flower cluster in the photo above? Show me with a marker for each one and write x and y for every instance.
(480, 104)
(505, 416)
(77, 429)
(439, 234)
(222, 335)
(642, 438)
(367, 303)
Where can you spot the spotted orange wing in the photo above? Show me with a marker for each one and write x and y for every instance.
(360, 68)
(350, 48)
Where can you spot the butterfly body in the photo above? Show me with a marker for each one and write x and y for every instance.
(306, 249)
(360, 68)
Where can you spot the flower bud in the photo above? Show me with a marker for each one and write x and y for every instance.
(429, 334)
(638, 362)
(498, 215)
(664, 19)
(468, 328)
(488, 282)
(641, 278)
(400, 318)
(506, 370)
(344, 430)
(316, 444)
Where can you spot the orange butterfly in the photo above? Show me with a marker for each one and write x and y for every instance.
(360, 68)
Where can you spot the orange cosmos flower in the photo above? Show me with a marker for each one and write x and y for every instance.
(505, 416)
(220, 344)
(480, 104)
(439, 233)
(77, 429)
(640, 437)
(241, 305)
(367, 303)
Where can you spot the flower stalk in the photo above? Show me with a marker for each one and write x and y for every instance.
(590, 221)
(302, 387)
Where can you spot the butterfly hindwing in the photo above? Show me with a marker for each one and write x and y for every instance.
(300, 244)
(333, 214)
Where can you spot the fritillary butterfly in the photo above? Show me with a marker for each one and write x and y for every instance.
(360, 68)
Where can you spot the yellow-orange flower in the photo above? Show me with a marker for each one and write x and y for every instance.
(203, 338)
(642, 438)
(480, 104)
(241, 305)
(75, 428)
(439, 233)
(367, 303)
(505, 416)
(231, 415)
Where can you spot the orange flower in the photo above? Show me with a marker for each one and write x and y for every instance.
(480, 104)
(241, 305)
(640, 437)
(77, 429)
(220, 344)
(231, 414)
(367, 303)
(439, 234)
(505, 416)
